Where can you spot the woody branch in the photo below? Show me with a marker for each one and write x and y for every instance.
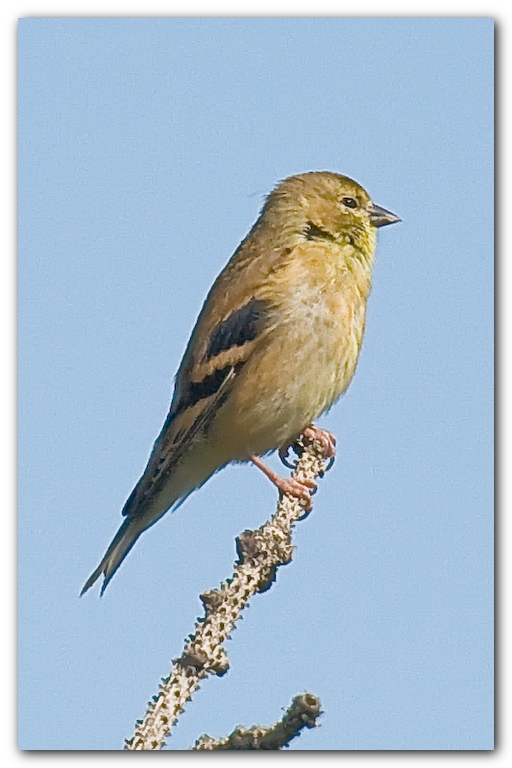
(260, 553)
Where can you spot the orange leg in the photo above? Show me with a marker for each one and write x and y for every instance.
(290, 485)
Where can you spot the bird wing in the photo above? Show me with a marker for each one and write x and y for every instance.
(206, 376)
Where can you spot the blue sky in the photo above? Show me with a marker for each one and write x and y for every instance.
(146, 147)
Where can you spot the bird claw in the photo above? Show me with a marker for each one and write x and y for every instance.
(299, 489)
(283, 455)
(324, 438)
(313, 434)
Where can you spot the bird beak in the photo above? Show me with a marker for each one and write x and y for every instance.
(379, 217)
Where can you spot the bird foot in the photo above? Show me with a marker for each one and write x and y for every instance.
(299, 489)
(283, 454)
(326, 440)
(291, 486)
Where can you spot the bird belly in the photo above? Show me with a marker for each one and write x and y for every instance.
(303, 369)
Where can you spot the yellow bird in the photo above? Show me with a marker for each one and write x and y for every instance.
(275, 345)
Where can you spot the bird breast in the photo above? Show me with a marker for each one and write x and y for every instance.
(306, 361)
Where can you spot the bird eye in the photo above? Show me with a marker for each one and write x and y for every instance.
(350, 202)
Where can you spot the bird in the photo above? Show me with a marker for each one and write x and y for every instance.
(275, 345)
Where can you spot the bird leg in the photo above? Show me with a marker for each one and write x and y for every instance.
(312, 433)
(299, 489)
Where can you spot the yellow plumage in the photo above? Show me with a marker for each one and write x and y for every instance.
(275, 345)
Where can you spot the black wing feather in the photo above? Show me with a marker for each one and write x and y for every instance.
(239, 328)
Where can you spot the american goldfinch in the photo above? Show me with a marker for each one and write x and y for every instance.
(275, 345)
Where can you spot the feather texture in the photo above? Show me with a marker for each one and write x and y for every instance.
(275, 344)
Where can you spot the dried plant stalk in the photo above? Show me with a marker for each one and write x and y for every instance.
(303, 713)
(260, 553)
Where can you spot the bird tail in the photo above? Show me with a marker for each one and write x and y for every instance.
(121, 544)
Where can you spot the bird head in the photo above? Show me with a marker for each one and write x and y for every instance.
(321, 204)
